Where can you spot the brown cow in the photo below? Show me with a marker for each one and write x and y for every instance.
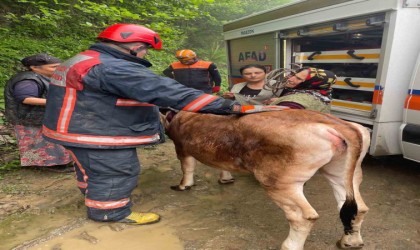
(283, 149)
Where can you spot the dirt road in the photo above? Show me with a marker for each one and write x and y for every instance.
(44, 210)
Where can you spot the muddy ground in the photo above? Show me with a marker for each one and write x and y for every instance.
(45, 210)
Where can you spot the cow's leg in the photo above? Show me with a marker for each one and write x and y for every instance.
(336, 174)
(188, 164)
(352, 238)
(300, 214)
(226, 177)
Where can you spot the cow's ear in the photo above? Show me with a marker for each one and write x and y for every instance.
(170, 115)
(166, 116)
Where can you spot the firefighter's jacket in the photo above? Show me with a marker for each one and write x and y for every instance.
(18, 113)
(104, 98)
(202, 75)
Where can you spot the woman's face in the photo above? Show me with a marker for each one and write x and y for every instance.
(46, 70)
(296, 79)
(252, 75)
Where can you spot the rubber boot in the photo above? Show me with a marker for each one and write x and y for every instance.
(141, 218)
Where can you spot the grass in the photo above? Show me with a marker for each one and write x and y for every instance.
(9, 155)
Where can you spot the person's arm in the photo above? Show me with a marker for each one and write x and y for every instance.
(215, 75)
(27, 92)
(35, 101)
(235, 89)
(228, 95)
(143, 85)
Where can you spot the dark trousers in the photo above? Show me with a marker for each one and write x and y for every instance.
(106, 177)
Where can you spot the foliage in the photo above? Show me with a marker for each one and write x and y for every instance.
(11, 165)
(65, 27)
(9, 159)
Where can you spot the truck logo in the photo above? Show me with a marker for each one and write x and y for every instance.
(252, 56)
(247, 32)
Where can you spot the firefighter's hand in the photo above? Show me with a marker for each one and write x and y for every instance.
(228, 95)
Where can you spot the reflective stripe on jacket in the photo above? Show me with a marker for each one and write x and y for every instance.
(201, 75)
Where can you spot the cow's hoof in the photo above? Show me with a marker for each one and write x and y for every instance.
(347, 246)
(178, 188)
(228, 181)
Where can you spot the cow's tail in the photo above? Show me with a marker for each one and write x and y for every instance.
(357, 145)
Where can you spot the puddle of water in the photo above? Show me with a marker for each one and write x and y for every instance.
(24, 227)
(99, 236)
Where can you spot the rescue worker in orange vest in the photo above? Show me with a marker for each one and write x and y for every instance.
(194, 73)
(104, 102)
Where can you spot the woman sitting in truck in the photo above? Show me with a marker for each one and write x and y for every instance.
(307, 88)
(252, 91)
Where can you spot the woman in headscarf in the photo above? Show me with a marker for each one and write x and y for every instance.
(25, 99)
(307, 88)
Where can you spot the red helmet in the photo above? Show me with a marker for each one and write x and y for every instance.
(127, 33)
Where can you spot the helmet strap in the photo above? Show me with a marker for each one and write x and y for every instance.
(134, 52)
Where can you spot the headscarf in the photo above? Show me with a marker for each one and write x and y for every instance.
(39, 59)
(319, 80)
(318, 83)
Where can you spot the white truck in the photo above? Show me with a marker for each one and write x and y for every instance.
(372, 46)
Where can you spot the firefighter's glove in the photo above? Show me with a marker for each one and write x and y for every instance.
(249, 109)
(216, 89)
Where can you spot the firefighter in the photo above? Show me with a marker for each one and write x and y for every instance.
(103, 103)
(194, 73)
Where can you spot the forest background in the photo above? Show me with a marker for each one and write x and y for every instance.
(63, 28)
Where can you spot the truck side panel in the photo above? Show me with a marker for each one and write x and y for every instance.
(259, 49)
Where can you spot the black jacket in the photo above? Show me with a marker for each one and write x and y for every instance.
(201, 75)
(18, 113)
